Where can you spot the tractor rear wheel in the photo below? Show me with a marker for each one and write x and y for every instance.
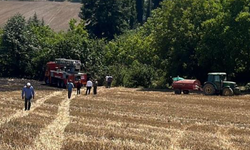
(177, 91)
(209, 89)
(227, 92)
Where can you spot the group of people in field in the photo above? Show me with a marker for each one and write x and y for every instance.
(28, 92)
(79, 85)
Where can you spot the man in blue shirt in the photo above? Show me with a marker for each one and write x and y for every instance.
(70, 88)
(28, 93)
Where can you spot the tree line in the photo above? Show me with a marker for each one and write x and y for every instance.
(139, 46)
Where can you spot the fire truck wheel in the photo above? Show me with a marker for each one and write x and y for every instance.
(58, 84)
(47, 81)
(62, 84)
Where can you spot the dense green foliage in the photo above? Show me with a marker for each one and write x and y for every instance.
(189, 38)
(181, 37)
(27, 47)
(105, 19)
(108, 18)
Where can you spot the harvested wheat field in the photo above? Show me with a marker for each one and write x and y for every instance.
(121, 118)
(55, 14)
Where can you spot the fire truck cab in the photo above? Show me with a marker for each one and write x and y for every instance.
(60, 71)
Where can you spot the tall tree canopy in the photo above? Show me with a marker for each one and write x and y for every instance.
(190, 38)
(140, 10)
(108, 18)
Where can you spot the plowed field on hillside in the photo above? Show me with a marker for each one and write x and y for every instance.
(55, 14)
(121, 118)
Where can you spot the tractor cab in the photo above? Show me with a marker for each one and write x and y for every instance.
(217, 79)
(213, 77)
(217, 84)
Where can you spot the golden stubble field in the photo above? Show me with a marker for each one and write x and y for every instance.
(121, 118)
(55, 14)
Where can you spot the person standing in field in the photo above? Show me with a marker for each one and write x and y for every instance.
(106, 79)
(89, 86)
(110, 79)
(95, 84)
(70, 86)
(78, 87)
(27, 94)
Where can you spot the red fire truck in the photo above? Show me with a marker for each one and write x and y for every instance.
(60, 71)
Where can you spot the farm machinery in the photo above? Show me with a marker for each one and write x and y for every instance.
(185, 85)
(216, 84)
(60, 71)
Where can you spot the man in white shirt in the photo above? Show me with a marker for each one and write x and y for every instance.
(106, 79)
(110, 79)
(89, 86)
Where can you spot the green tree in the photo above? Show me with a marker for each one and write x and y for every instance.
(15, 50)
(108, 18)
(2, 62)
(149, 8)
(225, 42)
(140, 10)
(156, 3)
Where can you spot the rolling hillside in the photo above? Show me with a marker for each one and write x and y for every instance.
(55, 14)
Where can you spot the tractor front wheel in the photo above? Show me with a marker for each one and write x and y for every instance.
(209, 89)
(237, 91)
(227, 92)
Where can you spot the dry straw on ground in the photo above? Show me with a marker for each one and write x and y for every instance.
(121, 118)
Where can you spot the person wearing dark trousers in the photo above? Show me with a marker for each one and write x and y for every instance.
(89, 86)
(70, 87)
(27, 94)
(110, 79)
(78, 87)
(95, 87)
(106, 79)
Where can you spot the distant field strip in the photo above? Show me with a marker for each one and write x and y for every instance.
(55, 14)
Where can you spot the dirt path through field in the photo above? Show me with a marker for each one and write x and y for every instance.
(23, 113)
(53, 135)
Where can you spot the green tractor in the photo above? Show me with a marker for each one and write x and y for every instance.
(217, 84)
